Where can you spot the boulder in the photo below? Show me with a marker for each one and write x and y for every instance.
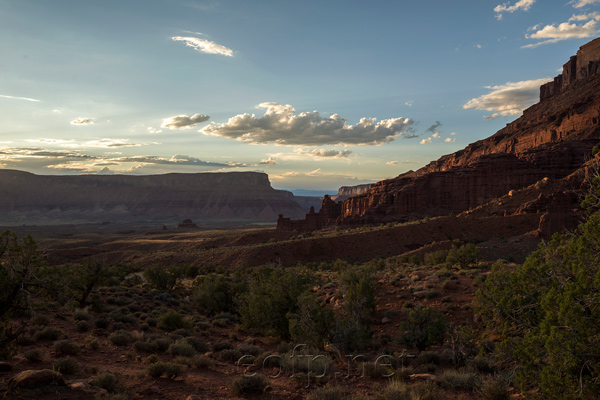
(32, 378)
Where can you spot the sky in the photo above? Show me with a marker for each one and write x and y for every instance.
(317, 94)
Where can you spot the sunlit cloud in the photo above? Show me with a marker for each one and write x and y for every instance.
(19, 98)
(204, 46)
(280, 125)
(323, 153)
(450, 140)
(183, 121)
(83, 121)
(316, 179)
(425, 141)
(268, 161)
(508, 100)
(436, 135)
(524, 5)
(154, 131)
(574, 28)
(583, 3)
(409, 103)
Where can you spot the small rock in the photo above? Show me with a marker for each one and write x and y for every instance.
(36, 378)
(85, 388)
(420, 294)
(150, 391)
(385, 320)
(192, 397)
(423, 377)
(433, 279)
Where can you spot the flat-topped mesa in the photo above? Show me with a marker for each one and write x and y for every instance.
(49, 199)
(583, 65)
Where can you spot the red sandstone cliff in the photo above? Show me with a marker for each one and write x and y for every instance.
(552, 139)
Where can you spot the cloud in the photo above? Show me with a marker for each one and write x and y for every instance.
(508, 100)
(19, 98)
(104, 143)
(425, 141)
(178, 159)
(317, 179)
(154, 130)
(583, 3)
(524, 5)
(566, 30)
(392, 163)
(323, 153)
(268, 161)
(409, 103)
(83, 121)
(478, 46)
(280, 125)
(449, 140)
(491, 116)
(183, 121)
(433, 128)
(436, 135)
(204, 46)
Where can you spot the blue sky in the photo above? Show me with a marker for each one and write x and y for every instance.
(318, 94)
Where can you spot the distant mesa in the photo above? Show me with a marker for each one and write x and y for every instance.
(553, 140)
(167, 198)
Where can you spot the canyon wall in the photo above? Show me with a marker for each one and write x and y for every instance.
(552, 139)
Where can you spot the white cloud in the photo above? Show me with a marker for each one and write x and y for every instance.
(583, 3)
(436, 135)
(453, 133)
(183, 121)
(316, 179)
(392, 163)
(268, 161)
(478, 46)
(19, 98)
(83, 121)
(510, 99)
(409, 103)
(280, 125)
(491, 116)
(449, 140)
(154, 130)
(567, 30)
(323, 153)
(204, 46)
(524, 5)
(425, 141)
(109, 143)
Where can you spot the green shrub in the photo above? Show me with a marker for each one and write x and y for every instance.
(197, 344)
(182, 348)
(120, 338)
(466, 380)
(272, 295)
(202, 362)
(463, 255)
(213, 294)
(218, 346)
(395, 390)
(312, 323)
(424, 327)
(48, 333)
(170, 370)
(83, 326)
(230, 355)
(171, 321)
(424, 391)
(494, 388)
(250, 349)
(33, 355)
(145, 347)
(66, 347)
(544, 309)
(360, 300)
(436, 257)
(66, 366)
(164, 278)
(106, 381)
(249, 385)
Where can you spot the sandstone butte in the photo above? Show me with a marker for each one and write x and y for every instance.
(551, 142)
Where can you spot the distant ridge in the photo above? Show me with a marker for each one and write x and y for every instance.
(34, 199)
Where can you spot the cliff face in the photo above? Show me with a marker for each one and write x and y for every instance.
(122, 198)
(552, 139)
(348, 191)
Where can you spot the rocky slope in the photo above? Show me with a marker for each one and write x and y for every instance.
(551, 140)
(35, 199)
